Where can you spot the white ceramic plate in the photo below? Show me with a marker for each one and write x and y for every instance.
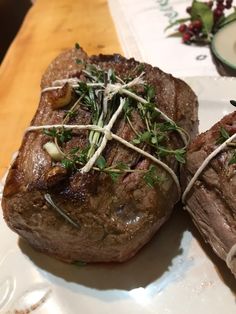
(174, 274)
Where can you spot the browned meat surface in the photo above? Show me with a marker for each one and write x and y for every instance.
(212, 200)
(113, 220)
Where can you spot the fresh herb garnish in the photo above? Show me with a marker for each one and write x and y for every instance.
(51, 132)
(151, 177)
(233, 159)
(180, 155)
(102, 103)
(62, 135)
(68, 164)
(150, 92)
(223, 136)
(101, 162)
(114, 175)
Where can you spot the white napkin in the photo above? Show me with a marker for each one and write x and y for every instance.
(140, 26)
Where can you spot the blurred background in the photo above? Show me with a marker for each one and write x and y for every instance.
(12, 13)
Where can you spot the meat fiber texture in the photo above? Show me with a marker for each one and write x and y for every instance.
(114, 219)
(212, 199)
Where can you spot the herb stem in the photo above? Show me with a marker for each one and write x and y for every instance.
(95, 135)
(143, 101)
(65, 120)
(131, 125)
(232, 144)
(58, 147)
(107, 136)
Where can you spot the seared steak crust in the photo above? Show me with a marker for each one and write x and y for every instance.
(211, 201)
(115, 219)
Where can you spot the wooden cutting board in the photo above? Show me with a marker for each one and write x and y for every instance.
(49, 28)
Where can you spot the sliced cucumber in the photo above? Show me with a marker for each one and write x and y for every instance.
(223, 47)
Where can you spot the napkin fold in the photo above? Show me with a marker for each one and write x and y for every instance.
(140, 26)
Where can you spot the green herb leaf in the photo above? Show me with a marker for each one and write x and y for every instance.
(154, 140)
(114, 175)
(50, 132)
(78, 61)
(64, 135)
(233, 159)
(122, 166)
(127, 108)
(111, 76)
(151, 177)
(67, 163)
(71, 114)
(144, 137)
(74, 150)
(150, 92)
(82, 157)
(167, 126)
(224, 135)
(180, 155)
(101, 162)
(136, 141)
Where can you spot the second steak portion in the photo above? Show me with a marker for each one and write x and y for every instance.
(212, 199)
(111, 219)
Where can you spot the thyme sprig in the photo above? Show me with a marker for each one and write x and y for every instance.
(223, 136)
(106, 96)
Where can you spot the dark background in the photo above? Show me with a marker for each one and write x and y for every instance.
(12, 13)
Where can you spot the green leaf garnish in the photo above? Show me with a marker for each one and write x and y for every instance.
(101, 162)
(64, 135)
(151, 177)
(122, 166)
(150, 91)
(136, 141)
(50, 132)
(67, 163)
(74, 150)
(114, 175)
(91, 99)
(223, 136)
(127, 108)
(233, 159)
(180, 155)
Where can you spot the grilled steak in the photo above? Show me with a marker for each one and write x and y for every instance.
(211, 200)
(106, 220)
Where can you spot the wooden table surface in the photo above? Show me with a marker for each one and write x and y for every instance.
(49, 28)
